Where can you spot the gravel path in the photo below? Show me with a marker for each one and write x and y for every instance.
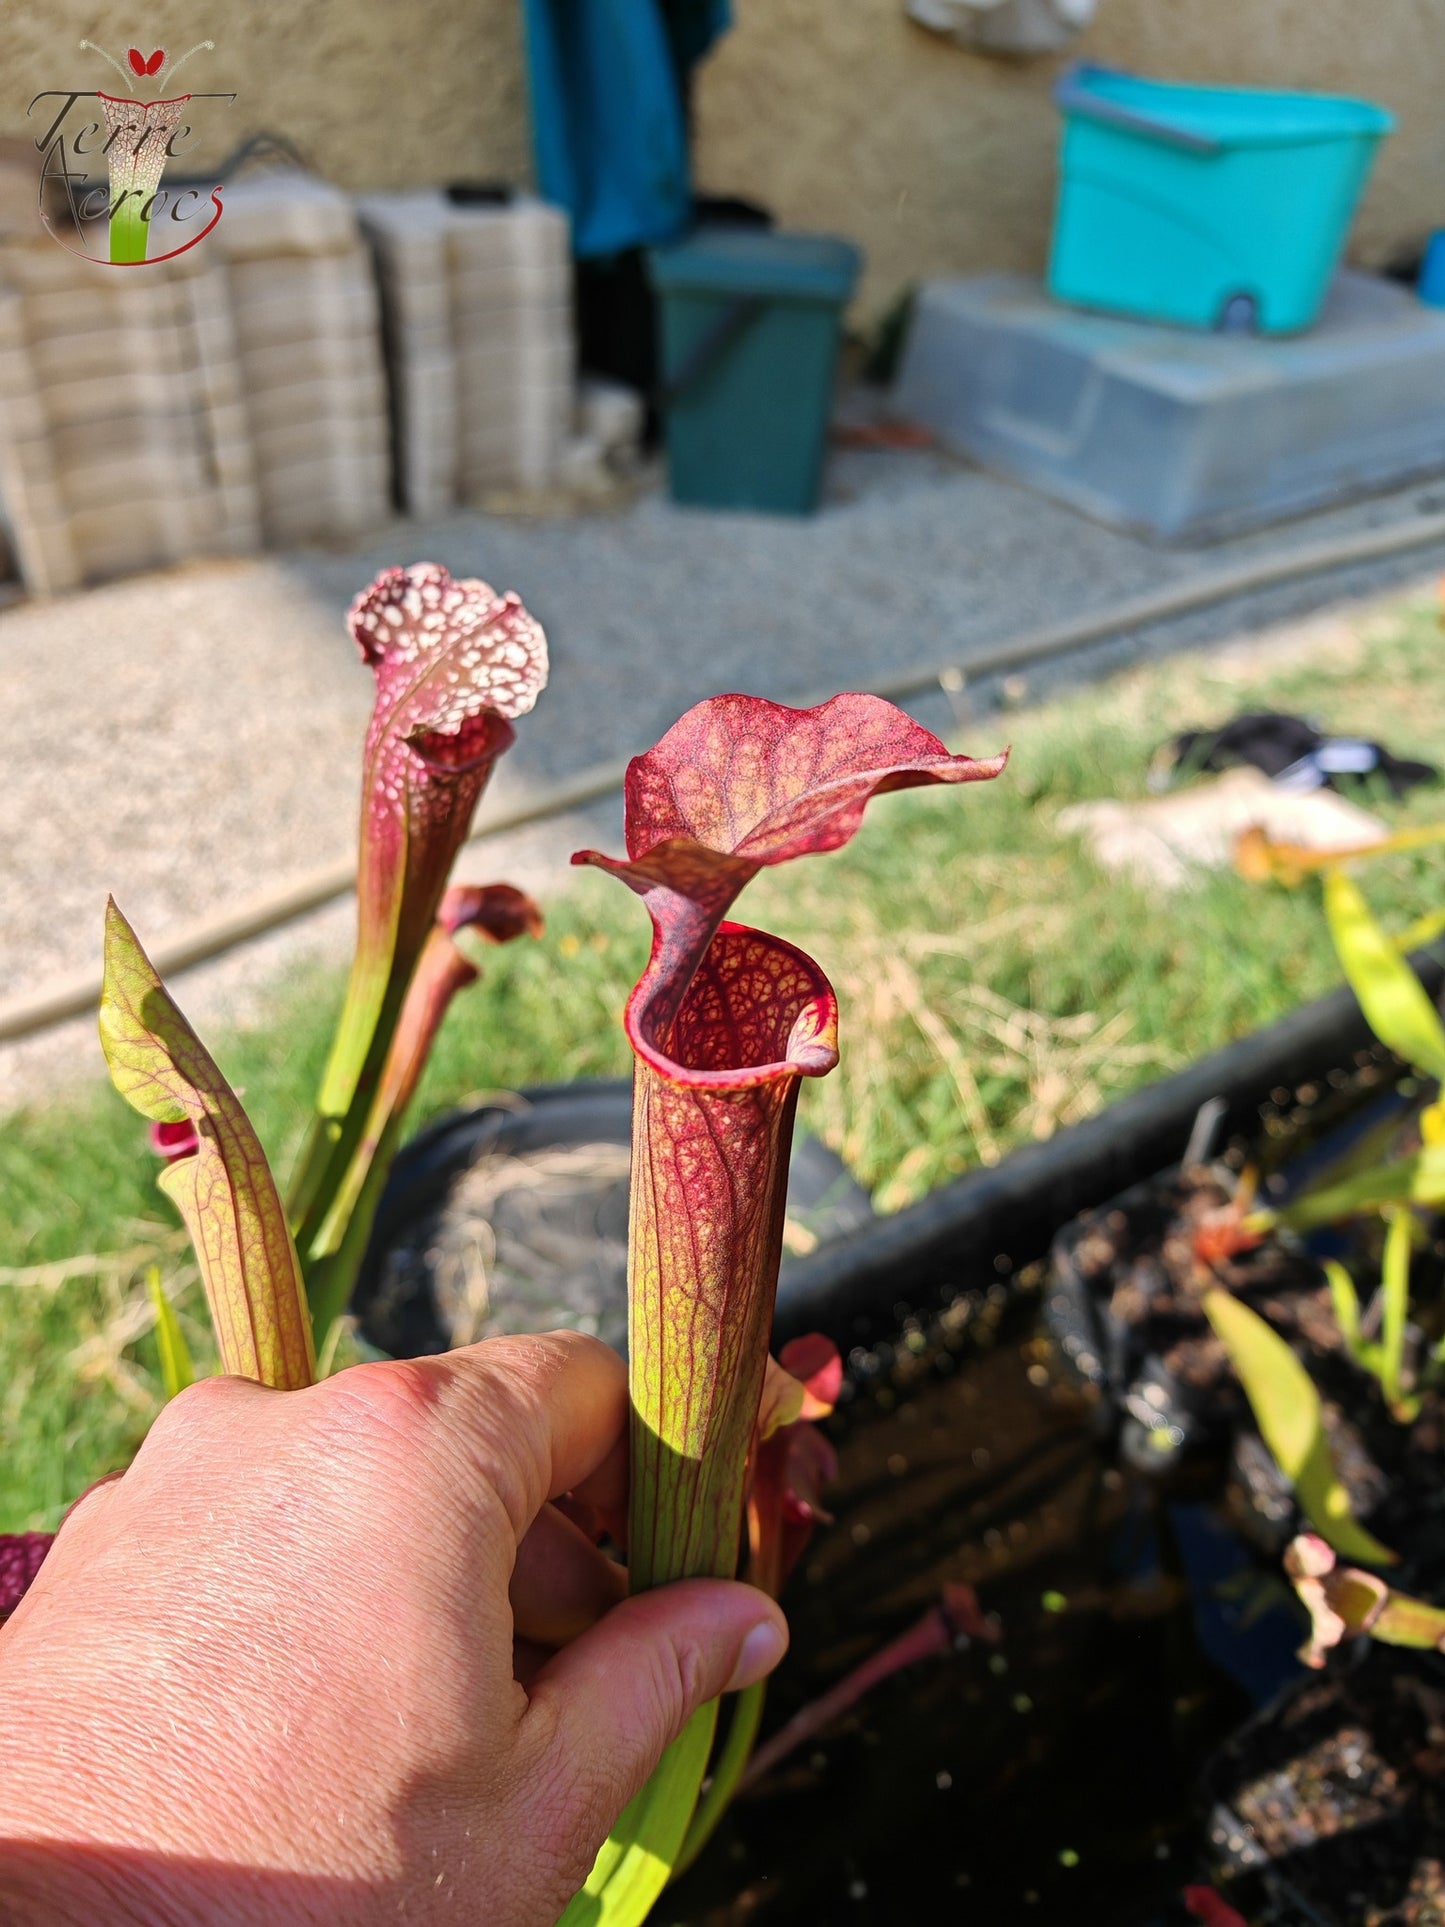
(189, 739)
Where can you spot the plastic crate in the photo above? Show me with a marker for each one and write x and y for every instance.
(1181, 435)
(1207, 206)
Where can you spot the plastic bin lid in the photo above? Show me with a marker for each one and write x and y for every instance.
(1218, 116)
(758, 261)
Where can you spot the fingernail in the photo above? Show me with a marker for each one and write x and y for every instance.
(758, 1655)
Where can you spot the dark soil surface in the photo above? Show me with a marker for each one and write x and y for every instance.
(1138, 1261)
(1050, 1777)
(1103, 1756)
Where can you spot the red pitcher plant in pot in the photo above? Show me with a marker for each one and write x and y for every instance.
(725, 1024)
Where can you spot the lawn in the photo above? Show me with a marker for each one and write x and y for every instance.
(994, 985)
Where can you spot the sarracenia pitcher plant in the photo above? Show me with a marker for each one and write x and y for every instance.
(724, 1024)
(454, 664)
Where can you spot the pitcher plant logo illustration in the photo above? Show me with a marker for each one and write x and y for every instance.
(129, 219)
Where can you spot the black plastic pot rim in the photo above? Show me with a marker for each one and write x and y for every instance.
(991, 1222)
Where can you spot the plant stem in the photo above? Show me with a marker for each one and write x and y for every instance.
(128, 233)
(929, 1636)
(725, 1777)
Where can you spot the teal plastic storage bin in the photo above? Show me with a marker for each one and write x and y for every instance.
(1209, 206)
(750, 322)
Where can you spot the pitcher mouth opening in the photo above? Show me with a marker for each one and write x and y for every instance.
(757, 1011)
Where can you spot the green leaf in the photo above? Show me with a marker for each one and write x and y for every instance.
(177, 1370)
(224, 1189)
(1346, 1301)
(1419, 1179)
(1286, 1409)
(1392, 997)
(493, 913)
(1395, 1276)
(638, 1856)
(726, 1773)
(1406, 1621)
(1422, 932)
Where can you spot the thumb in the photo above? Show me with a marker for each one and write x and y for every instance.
(613, 1701)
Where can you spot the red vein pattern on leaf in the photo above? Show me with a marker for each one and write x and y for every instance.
(739, 783)
(711, 1126)
(724, 1023)
(221, 1184)
(741, 774)
(455, 663)
(755, 1010)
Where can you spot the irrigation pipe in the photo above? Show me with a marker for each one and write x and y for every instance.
(75, 995)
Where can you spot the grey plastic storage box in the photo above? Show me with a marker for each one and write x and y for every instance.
(1180, 435)
(750, 323)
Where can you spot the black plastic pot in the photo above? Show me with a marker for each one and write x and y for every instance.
(865, 1274)
(991, 1222)
(1327, 1807)
(566, 1144)
(1129, 1321)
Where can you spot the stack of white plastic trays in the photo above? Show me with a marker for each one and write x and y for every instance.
(123, 437)
(478, 303)
(307, 325)
(511, 281)
(408, 234)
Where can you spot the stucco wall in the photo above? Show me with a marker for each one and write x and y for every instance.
(376, 93)
(839, 114)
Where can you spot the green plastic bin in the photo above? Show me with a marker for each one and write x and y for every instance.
(750, 323)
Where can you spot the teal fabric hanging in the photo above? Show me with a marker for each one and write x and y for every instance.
(609, 133)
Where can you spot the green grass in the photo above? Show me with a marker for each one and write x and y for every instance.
(994, 985)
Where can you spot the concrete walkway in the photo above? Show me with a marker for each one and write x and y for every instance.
(190, 739)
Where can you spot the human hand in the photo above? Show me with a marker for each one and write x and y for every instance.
(331, 1655)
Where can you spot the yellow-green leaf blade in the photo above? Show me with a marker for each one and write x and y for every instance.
(177, 1369)
(1346, 1301)
(1417, 1179)
(1395, 1280)
(637, 1858)
(224, 1190)
(1406, 1621)
(1392, 997)
(1287, 1410)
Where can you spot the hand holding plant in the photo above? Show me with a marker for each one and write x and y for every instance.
(724, 1024)
(317, 1650)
